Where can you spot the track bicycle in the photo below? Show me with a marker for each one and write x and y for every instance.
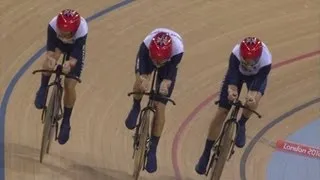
(223, 148)
(142, 133)
(52, 112)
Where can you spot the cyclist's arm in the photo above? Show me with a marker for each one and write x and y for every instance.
(172, 67)
(233, 73)
(260, 79)
(144, 65)
(79, 51)
(51, 41)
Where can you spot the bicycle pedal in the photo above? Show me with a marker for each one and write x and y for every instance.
(144, 161)
(56, 133)
(133, 137)
(231, 153)
(43, 114)
(216, 152)
(135, 141)
(148, 144)
(59, 117)
(212, 163)
(134, 146)
(134, 152)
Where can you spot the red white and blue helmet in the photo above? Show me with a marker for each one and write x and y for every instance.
(250, 50)
(68, 20)
(160, 48)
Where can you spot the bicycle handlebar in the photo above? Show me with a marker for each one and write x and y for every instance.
(58, 71)
(152, 95)
(239, 104)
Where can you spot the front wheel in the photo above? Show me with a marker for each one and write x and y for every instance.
(224, 150)
(47, 127)
(140, 151)
(54, 124)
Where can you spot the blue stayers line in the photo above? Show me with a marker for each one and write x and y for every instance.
(22, 70)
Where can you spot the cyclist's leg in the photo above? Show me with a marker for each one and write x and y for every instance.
(215, 126)
(132, 117)
(69, 100)
(241, 138)
(158, 124)
(45, 77)
(258, 96)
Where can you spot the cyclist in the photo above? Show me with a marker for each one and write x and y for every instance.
(163, 49)
(250, 63)
(66, 33)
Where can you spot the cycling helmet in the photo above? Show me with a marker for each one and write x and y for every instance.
(250, 50)
(160, 48)
(68, 21)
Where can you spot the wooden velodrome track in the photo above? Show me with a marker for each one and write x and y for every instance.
(100, 146)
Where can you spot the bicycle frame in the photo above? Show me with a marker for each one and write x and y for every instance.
(150, 105)
(57, 83)
(55, 112)
(233, 116)
(232, 119)
(142, 121)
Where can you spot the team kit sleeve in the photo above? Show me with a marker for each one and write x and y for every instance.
(143, 62)
(233, 73)
(51, 39)
(260, 78)
(79, 49)
(173, 67)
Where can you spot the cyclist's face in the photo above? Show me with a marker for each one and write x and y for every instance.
(159, 63)
(65, 34)
(248, 63)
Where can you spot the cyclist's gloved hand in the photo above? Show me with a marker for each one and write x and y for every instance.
(51, 62)
(164, 86)
(232, 93)
(144, 83)
(66, 67)
(250, 99)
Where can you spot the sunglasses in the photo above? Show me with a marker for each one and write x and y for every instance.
(158, 63)
(248, 62)
(67, 35)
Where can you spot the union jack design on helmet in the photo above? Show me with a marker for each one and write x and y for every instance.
(160, 48)
(251, 49)
(68, 20)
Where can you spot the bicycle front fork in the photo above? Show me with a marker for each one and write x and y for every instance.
(233, 141)
(136, 135)
(216, 150)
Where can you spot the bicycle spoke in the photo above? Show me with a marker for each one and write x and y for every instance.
(223, 151)
(140, 155)
(45, 135)
(49, 125)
